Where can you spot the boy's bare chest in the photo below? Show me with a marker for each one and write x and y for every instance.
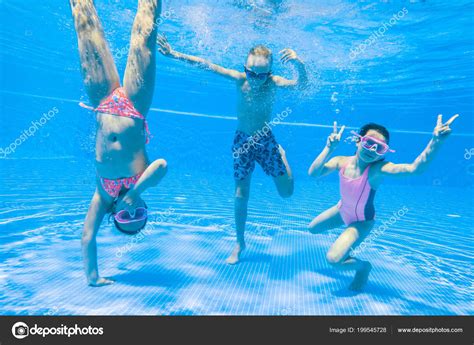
(256, 99)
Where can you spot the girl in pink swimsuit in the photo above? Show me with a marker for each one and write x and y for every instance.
(359, 178)
(124, 170)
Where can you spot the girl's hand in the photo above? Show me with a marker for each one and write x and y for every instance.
(129, 202)
(442, 130)
(165, 47)
(335, 137)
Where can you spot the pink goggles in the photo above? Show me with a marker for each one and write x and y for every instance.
(373, 144)
(124, 217)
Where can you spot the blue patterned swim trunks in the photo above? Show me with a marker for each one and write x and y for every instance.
(264, 150)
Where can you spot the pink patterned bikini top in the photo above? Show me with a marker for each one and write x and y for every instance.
(117, 103)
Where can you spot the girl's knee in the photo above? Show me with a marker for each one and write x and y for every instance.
(333, 258)
(313, 228)
(316, 226)
(160, 166)
(163, 165)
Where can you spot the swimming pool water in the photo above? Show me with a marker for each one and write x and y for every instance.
(420, 266)
(421, 67)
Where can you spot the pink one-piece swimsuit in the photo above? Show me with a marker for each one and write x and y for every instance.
(357, 197)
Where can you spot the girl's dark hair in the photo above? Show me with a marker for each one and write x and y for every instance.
(376, 127)
(117, 226)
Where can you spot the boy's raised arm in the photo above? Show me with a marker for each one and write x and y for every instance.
(440, 133)
(166, 50)
(289, 55)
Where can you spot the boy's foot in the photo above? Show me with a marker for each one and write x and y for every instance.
(101, 282)
(234, 258)
(361, 277)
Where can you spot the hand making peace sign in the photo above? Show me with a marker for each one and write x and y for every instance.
(334, 138)
(442, 130)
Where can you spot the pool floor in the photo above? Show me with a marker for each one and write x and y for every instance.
(176, 267)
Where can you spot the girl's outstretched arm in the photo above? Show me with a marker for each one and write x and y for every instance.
(97, 210)
(321, 166)
(440, 133)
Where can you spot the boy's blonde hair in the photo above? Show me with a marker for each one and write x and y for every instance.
(261, 50)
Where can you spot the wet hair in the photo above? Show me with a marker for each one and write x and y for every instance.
(375, 127)
(261, 50)
(128, 232)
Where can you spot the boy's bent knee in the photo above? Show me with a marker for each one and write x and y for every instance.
(286, 189)
(286, 192)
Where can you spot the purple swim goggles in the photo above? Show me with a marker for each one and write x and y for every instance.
(373, 144)
(123, 217)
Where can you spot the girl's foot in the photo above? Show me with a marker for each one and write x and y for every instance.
(234, 258)
(361, 277)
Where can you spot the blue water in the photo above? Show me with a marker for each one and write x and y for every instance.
(422, 66)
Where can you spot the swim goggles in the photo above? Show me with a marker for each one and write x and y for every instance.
(373, 144)
(252, 74)
(124, 216)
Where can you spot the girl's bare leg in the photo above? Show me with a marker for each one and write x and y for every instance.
(326, 220)
(139, 79)
(338, 254)
(97, 65)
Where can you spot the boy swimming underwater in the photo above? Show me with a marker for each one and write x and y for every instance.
(124, 170)
(257, 86)
(359, 178)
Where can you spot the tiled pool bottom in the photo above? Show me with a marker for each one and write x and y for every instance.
(177, 267)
